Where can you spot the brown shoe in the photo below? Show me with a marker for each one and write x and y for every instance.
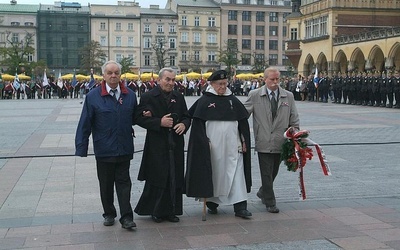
(273, 209)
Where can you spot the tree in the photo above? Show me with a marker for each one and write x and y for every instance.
(92, 57)
(260, 64)
(126, 64)
(161, 48)
(15, 53)
(229, 57)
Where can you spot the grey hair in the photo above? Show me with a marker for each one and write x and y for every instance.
(161, 73)
(103, 68)
(270, 69)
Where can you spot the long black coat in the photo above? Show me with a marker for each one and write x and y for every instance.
(155, 163)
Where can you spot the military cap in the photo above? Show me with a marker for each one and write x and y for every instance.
(218, 75)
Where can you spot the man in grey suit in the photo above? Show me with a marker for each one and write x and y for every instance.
(274, 111)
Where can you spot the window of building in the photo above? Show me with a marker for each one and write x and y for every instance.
(172, 28)
(260, 30)
(197, 21)
(246, 29)
(273, 44)
(211, 56)
(64, 25)
(28, 24)
(197, 37)
(233, 43)
(274, 2)
(246, 44)
(246, 59)
(211, 22)
(172, 43)
(184, 55)
(118, 26)
(103, 41)
(284, 31)
(273, 16)
(211, 38)
(118, 57)
(172, 60)
(130, 41)
(246, 1)
(15, 38)
(260, 44)
(260, 2)
(232, 15)
(184, 37)
(232, 29)
(130, 26)
(316, 27)
(102, 26)
(80, 42)
(30, 57)
(285, 60)
(147, 42)
(130, 56)
(64, 58)
(293, 34)
(197, 55)
(273, 30)
(64, 42)
(232, 1)
(184, 21)
(273, 59)
(49, 58)
(80, 26)
(147, 28)
(147, 60)
(160, 28)
(260, 16)
(49, 26)
(246, 16)
(118, 41)
(14, 23)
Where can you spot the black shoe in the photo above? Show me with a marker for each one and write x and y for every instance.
(157, 219)
(273, 209)
(128, 224)
(212, 211)
(243, 214)
(108, 221)
(172, 218)
(259, 195)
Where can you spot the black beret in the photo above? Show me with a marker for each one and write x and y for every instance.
(218, 75)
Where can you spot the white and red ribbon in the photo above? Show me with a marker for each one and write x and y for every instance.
(296, 136)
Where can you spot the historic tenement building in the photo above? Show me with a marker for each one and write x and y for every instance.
(344, 35)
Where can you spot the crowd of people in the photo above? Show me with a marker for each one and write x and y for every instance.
(218, 164)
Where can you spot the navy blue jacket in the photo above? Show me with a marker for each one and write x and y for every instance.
(109, 121)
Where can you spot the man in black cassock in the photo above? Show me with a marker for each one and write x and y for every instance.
(163, 112)
(218, 164)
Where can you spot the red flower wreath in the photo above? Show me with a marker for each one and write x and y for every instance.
(292, 144)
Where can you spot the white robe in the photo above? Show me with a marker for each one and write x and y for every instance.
(227, 162)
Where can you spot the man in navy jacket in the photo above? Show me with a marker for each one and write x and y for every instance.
(107, 114)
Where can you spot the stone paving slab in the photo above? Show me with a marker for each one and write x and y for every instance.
(49, 199)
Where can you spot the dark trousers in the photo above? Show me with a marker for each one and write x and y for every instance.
(110, 174)
(269, 167)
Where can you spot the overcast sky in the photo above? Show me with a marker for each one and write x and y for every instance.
(142, 3)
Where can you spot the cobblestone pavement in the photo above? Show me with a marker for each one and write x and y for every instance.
(49, 199)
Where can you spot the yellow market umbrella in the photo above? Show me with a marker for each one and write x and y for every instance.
(130, 76)
(193, 75)
(147, 76)
(96, 77)
(259, 75)
(179, 77)
(24, 77)
(207, 75)
(80, 77)
(67, 76)
(7, 77)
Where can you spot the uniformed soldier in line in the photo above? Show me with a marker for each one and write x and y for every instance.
(396, 88)
(334, 84)
(376, 96)
(352, 89)
(382, 89)
(364, 88)
(359, 88)
(344, 87)
(390, 92)
(369, 87)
